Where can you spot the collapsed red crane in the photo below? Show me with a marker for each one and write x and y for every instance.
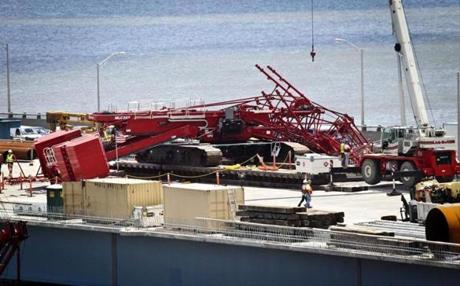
(284, 114)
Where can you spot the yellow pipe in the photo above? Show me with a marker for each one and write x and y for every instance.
(443, 223)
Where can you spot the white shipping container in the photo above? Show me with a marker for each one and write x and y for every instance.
(315, 163)
(183, 203)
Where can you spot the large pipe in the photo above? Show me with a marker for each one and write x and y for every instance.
(443, 223)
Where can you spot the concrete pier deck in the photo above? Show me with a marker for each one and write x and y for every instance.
(78, 252)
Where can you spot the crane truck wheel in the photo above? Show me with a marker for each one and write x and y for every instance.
(445, 179)
(371, 172)
(408, 181)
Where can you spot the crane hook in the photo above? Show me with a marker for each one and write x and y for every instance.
(312, 54)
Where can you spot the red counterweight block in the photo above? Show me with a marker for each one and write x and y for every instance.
(49, 140)
(81, 158)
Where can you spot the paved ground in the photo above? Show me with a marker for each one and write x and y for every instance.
(14, 195)
(357, 206)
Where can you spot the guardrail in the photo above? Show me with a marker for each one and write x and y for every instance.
(373, 245)
(23, 115)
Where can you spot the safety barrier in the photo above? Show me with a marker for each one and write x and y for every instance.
(416, 250)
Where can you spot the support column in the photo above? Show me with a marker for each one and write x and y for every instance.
(458, 116)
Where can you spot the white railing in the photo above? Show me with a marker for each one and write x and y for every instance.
(135, 106)
(416, 250)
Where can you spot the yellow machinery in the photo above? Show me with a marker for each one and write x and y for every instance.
(443, 223)
(435, 192)
(63, 120)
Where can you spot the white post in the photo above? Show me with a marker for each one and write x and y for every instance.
(8, 89)
(116, 150)
(361, 51)
(458, 115)
(8, 92)
(98, 67)
(98, 88)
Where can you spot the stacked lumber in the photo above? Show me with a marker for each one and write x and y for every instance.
(289, 216)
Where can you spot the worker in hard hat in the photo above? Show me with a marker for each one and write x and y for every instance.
(9, 160)
(344, 154)
(306, 193)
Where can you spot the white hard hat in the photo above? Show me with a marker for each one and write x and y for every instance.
(10, 151)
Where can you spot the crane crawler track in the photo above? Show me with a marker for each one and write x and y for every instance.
(289, 179)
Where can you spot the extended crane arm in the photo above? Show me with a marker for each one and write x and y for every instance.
(405, 49)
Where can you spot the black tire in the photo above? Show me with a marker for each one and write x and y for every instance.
(445, 179)
(371, 171)
(408, 181)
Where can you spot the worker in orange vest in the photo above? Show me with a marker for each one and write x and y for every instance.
(306, 193)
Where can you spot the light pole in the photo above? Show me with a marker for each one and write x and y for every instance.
(458, 115)
(98, 67)
(361, 53)
(8, 93)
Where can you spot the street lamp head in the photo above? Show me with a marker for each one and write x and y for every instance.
(119, 53)
(340, 40)
(98, 66)
(110, 56)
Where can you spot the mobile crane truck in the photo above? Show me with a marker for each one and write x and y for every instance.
(418, 152)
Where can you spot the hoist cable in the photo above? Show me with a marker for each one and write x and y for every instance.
(313, 52)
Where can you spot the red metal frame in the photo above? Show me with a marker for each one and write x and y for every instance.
(284, 114)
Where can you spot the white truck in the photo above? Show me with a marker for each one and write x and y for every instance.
(27, 133)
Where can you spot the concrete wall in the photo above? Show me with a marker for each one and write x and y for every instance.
(97, 258)
(64, 256)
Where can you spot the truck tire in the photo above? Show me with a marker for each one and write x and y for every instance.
(445, 179)
(371, 171)
(408, 181)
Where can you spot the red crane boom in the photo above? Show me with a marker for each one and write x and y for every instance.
(284, 114)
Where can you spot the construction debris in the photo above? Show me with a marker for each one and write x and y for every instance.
(289, 216)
